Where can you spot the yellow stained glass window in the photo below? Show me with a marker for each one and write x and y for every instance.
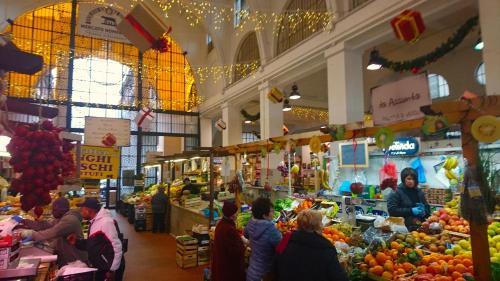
(104, 71)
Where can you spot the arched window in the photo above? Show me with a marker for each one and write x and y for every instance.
(480, 74)
(102, 77)
(247, 53)
(293, 31)
(438, 86)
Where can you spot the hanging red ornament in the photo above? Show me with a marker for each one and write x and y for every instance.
(415, 70)
(408, 26)
(42, 159)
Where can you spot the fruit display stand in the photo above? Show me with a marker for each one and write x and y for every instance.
(462, 264)
(189, 210)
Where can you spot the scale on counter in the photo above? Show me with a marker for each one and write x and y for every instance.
(349, 209)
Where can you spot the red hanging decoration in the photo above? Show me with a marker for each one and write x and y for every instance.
(408, 26)
(162, 45)
(41, 160)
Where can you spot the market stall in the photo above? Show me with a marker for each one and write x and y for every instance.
(353, 201)
(187, 209)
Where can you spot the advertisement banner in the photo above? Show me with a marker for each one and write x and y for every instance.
(401, 100)
(99, 21)
(99, 162)
(110, 132)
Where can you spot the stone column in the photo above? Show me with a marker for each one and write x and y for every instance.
(206, 131)
(489, 19)
(232, 116)
(271, 114)
(271, 125)
(345, 85)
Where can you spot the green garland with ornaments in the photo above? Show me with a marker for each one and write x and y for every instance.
(249, 116)
(416, 64)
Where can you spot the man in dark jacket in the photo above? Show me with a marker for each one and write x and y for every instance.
(229, 252)
(409, 201)
(307, 255)
(65, 223)
(159, 207)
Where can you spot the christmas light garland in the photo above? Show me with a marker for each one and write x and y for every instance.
(249, 116)
(416, 64)
(310, 113)
(196, 12)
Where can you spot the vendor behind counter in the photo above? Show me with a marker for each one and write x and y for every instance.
(189, 186)
(409, 201)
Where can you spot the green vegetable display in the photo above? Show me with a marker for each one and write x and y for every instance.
(243, 219)
(282, 204)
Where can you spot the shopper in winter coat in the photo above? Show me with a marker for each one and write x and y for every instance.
(307, 255)
(228, 260)
(65, 223)
(159, 208)
(409, 201)
(103, 243)
(263, 237)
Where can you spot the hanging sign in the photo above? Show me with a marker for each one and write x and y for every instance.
(110, 132)
(404, 146)
(99, 162)
(99, 21)
(401, 100)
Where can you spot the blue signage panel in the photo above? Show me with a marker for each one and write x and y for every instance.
(404, 146)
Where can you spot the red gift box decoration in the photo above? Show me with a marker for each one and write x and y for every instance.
(145, 29)
(408, 26)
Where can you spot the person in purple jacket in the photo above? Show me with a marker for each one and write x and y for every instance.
(264, 237)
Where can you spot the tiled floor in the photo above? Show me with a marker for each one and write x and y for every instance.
(152, 256)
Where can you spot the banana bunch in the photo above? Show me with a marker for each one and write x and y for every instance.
(324, 176)
(450, 164)
(453, 204)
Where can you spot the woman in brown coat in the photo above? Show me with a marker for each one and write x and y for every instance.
(229, 250)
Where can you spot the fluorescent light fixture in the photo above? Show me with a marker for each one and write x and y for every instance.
(374, 63)
(248, 121)
(195, 157)
(179, 160)
(294, 95)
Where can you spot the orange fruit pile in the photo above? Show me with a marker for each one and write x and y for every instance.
(333, 235)
(441, 267)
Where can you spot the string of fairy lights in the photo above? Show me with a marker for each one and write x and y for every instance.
(310, 113)
(196, 12)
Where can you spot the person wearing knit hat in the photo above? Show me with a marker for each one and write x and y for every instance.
(229, 251)
(229, 209)
(66, 222)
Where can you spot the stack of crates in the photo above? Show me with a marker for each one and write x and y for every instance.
(140, 218)
(187, 251)
(201, 234)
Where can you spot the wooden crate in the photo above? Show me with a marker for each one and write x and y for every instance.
(149, 221)
(186, 261)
